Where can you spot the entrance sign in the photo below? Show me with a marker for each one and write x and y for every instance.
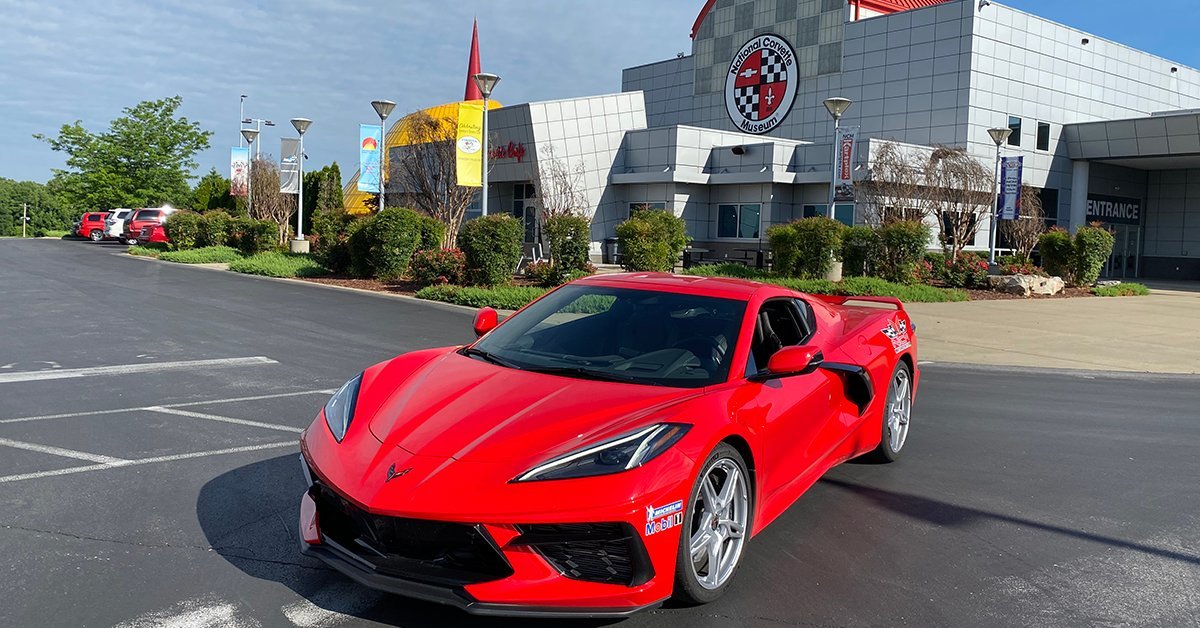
(843, 170)
(1114, 209)
(1011, 169)
(239, 171)
(370, 141)
(468, 146)
(760, 86)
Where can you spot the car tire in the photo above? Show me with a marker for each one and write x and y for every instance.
(897, 415)
(95, 235)
(695, 581)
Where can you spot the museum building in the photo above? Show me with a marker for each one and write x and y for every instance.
(735, 136)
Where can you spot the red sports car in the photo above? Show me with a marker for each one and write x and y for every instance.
(615, 443)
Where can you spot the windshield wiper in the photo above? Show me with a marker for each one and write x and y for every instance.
(582, 373)
(489, 357)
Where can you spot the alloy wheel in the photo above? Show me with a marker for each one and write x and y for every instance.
(899, 411)
(719, 521)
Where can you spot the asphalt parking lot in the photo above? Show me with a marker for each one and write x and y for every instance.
(149, 415)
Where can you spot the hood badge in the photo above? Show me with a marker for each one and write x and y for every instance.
(392, 473)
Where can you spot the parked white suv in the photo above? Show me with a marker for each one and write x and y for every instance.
(115, 223)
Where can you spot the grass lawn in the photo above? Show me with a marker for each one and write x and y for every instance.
(150, 249)
(500, 297)
(850, 286)
(277, 264)
(205, 255)
(1122, 290)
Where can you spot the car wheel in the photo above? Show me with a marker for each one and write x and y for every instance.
(897, 415)
(717, 526)
(96, 235)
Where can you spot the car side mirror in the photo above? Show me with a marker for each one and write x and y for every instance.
(790, 361)
(486, 320)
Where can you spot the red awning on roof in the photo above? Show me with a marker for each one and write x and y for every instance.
(879, 6)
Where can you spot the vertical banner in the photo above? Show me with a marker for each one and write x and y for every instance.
(843, 170)
(289, 165)
(239, 171)
(1011, 169)
(469, 145)
(370, 143)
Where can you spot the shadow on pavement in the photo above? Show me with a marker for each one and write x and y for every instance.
(250, 517)
(946, 514)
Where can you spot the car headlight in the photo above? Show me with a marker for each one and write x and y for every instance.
(612, 456)
(339, 410)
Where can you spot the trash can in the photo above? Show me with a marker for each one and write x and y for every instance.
(608, 254)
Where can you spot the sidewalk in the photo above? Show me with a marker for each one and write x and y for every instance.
(1159, 333)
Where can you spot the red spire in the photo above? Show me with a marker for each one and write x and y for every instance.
(473, 66)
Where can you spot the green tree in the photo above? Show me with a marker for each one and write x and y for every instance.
(46, 210)
(322, 191)
(145, 158)
(212, 192)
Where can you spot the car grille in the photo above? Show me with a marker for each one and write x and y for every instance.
(414, 549)
(611, 553)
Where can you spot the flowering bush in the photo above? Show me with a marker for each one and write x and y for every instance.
(438, 266)
(545, 274)
(921, 271)
(967, 270)
(1022, 268)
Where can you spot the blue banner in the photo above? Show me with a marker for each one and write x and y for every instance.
(1011, 170)
(370, 145)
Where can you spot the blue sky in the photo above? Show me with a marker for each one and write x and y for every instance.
(327, 59)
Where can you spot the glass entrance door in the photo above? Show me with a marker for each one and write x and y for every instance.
(1127, 251)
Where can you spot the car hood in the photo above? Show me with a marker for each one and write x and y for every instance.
(453, 406)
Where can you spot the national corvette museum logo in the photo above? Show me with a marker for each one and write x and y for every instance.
(761, 84)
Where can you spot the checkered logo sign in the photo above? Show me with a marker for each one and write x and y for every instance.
(760, 86)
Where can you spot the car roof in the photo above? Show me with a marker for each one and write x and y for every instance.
(724, 287)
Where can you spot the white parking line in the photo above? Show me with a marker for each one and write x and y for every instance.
(224, 419)
(59, 451)
(141, 461)
(67, 415)
(126, 369)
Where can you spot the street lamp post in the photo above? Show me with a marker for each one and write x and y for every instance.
(300, 245)
(258, 125)
(999, 136)
(250, 135)
(486, 82)
(384, 109)
(241, 115)
(836, 107)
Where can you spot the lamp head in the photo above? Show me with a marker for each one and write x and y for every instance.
(250, 135)
(837, 106)
(486, 82)
(383, 108)
(301, 124)
(1000, 136)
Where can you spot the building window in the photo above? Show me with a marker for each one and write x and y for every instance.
(475, 208)
(1043, 137)
(638, 207)
(738, 221)
(843, 213)
(1014, 123)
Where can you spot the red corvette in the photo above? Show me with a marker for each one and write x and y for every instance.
(615, 443)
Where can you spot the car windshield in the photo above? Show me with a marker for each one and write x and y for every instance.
(619, 334)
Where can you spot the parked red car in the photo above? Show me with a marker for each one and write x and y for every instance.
(145, 225)
(615, 443)
(91, 226)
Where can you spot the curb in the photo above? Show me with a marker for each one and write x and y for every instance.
(1062, 372)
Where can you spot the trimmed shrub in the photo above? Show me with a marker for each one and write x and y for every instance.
(214, 229)
(964, 271)
(1093, 247)
(903, 245)
(492, 247)
(569, 238)
(183, 229)
(384, 245)
(430, 231)
(580, 273)
(861, 251)
(1056, 249)
(278, 264)
(545, 274)
(331, 237)
(501, 298)
(252, 236)
(728, 269)
(1122, 290)
(806, 248)
(149, 249)
(1021, 268)
(438, 266)
(652, 241)
(204, 255)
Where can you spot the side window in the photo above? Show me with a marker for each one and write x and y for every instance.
(776, 328)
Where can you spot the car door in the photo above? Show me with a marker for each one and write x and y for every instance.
(793, 414)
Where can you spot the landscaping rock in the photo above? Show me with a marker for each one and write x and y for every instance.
(1026, 285)
(1106, 283)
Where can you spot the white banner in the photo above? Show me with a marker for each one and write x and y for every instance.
(289, 165)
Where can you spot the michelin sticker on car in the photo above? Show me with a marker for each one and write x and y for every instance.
(663, 517)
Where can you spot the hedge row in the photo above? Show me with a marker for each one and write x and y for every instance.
(501, 297)
(850, 286)
(188, 230)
